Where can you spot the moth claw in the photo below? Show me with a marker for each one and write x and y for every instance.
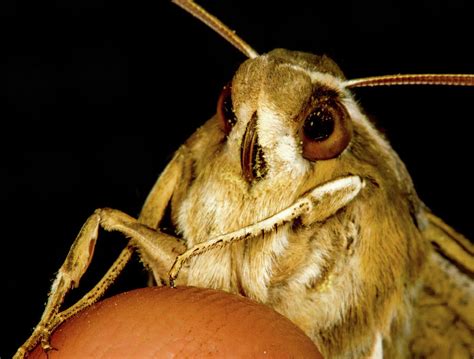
(46, 346)
(172, 284)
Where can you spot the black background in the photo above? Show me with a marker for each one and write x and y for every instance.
(96, 95)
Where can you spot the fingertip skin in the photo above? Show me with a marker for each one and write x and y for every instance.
(183, 322)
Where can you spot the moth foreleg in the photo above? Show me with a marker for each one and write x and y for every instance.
(316, 205)
(151, 243)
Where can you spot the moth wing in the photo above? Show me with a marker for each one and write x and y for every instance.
(450, 244)
(444, 308)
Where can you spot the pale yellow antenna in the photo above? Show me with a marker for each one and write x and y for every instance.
(413, 79)
(387, 80)
(216, 25)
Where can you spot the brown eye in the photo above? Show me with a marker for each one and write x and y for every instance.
(225, 110)
(326, 131)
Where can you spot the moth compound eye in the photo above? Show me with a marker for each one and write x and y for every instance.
(325, 131)
(319, 125)
(225, 110)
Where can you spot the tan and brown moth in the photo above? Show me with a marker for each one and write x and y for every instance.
(319, 209)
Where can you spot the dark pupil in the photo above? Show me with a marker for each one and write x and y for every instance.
(319, 125)
(228, 110)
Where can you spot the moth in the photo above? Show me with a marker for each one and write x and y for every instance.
(290, 196)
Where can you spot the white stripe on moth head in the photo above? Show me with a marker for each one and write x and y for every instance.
(322, 78)
(280, 143)
(327, 80)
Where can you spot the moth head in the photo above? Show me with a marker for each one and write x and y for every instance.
(283, 112)
(285, 108)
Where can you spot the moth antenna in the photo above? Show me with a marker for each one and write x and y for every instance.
(217, 25)
(413, 79)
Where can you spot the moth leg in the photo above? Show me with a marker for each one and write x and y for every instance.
(316, 205)
(159, 198)
(154, 243)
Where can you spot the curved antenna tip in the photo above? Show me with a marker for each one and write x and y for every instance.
(216, 25)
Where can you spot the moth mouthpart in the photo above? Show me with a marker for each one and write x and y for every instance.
(259, 166)
(254, 166)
